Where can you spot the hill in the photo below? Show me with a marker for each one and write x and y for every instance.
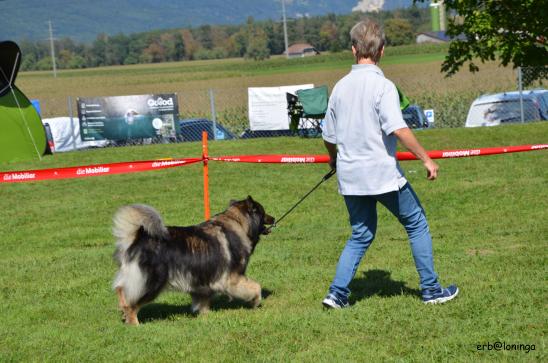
(82, 21)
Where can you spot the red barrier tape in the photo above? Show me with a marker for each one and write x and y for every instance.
(274, 158)
(137, 166)
(92, 170)
(445, 154)
(436, 154)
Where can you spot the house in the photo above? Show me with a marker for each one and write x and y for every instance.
(436, 37)
(301, 50)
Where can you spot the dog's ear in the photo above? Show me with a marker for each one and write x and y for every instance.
(250, 203)
(232, 202)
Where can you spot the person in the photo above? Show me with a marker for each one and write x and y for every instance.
(362, 126)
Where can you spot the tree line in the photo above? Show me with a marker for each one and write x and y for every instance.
(253, 40)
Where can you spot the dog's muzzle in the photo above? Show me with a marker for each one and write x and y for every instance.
(271, 222)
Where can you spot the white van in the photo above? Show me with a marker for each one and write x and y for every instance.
(500, 108)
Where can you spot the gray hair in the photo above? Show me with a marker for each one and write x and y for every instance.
(368, 39)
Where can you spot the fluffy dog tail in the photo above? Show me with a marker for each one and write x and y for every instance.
(129, 219)
(130, 280)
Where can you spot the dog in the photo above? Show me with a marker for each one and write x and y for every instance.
(204, 260)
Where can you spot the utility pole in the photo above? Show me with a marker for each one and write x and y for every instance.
(285, 28)
(52, 50)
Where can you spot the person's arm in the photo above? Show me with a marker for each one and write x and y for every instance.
(332, 150)
(408, 139)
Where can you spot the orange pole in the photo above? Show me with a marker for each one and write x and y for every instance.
(206, 176)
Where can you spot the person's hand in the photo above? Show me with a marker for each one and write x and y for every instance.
(333, 163)
(431, 169)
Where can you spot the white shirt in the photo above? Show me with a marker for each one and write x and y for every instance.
(363, 112)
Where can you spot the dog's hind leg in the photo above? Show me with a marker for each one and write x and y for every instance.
(200, 303)
(131, 315)
(129, 312)
(122, 305)
(246, 289)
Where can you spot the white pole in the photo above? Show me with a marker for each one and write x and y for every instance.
(213, 113)
(72, 128)
(520, 85)
(285, 28)
(52, 50)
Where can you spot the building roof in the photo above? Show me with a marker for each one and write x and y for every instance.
(441, 35)
(298, 48)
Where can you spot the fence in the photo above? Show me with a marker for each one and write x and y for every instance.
(139, 166)
(223, 112)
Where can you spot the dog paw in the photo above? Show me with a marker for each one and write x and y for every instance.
(256, 302)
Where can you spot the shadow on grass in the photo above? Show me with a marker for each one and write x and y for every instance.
(378, 283)
(161, 311)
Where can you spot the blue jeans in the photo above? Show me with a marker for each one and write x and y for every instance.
(405, 205)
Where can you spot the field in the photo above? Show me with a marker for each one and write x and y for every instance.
(416, 70)
(487, 216)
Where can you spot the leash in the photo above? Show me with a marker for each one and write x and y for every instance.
(325, 177)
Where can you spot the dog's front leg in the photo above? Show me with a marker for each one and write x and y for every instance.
(246, 289)
(200, 303)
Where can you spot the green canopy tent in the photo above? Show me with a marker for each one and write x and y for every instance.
(22, 135)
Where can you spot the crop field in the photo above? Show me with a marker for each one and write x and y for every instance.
(416, 70)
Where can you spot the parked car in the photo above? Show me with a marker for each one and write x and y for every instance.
(500, 108)
(191, 130)
(414, 117)
(249, 134)
(50, 145)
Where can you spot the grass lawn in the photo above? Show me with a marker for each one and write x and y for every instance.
(487, 216)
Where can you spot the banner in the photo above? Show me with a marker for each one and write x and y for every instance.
(268, 106)
(461, 153)
(281, 159)
(128, 117)
(92, 170)
(435, 154)
(66, 134)
(137, 166)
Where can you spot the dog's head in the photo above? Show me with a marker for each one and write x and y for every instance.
(257, 217)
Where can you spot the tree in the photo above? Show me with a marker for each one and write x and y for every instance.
(328, 36)
(77, 62)
(203, 36)
(191, 45)
(63, 58)
(257, 41)
(514, 32)
(398, 32)
(274, 33)
(97, 54)
(257, 45)
(154, 53)
(117, 49)
(237, 44)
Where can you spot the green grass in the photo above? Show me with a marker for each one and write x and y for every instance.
(487, 216)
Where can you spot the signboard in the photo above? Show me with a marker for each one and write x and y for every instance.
(268, 106)
(429, 116)
(128, 117)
